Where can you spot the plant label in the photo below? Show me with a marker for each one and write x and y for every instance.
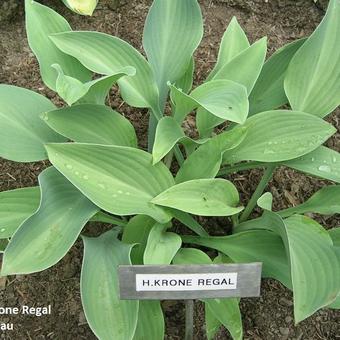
(186, 282)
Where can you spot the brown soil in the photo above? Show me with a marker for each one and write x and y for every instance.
(268, 317)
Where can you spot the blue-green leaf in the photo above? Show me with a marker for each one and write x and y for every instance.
(23, 133)
(15, 207)
(88, 123)
(41, 21)
(312, 81)
(45, 237)
(108, 316)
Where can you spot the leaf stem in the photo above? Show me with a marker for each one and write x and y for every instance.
(106, 218)
(268, 173)
(240, 167)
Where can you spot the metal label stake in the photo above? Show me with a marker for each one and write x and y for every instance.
(189, 282)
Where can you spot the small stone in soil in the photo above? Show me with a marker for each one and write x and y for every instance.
(284, 330)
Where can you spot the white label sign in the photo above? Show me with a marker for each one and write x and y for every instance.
(185, 282)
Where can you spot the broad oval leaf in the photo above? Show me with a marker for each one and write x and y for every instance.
(118, 179)
(322, 162)
(280, 135)
(251, 246)
(45, 237)
(88, 123)
(268, 92)
(41, 21)
(15, 207)
(245, 67)
(233, 42)
(172, 32)
(191, 256)
(326, 201)
(95, 91)
(23, 133)
(314, 266)
(161, 246)
(224, 99)
(205, 197)
(137, 232)
(108, 316)
(312, 81)
(104, 54)
(151, 323)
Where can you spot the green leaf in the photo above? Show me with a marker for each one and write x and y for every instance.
(225, 310)
(205, 197)
(120, 180)
(280, 135)
(86, 7)
(186, 81)
(224, 99)
(315, 269)
(107, 315)
(172, 32)
(314, 266)
(188, 256)
(41, 21)
(45, 237)
(23, 133)
(168, 134)
(326, 201)
(150, 321)
(137, 232)
(268, 92)
(93, 92)
(243, 69)
(322, 162)
(88, 123)
(15, 207)
(205, 162)
(246, 66)
(161, 246)
(234, 41)
(265, 201)
(212, 324)
(312, 81)
(335, 235)
(104, 54)
(251, 246)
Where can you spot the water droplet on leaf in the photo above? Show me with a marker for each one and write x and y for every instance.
(324, 168)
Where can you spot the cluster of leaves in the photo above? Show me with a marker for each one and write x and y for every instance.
(103, 176)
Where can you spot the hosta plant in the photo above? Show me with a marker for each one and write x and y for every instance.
(250, 113)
